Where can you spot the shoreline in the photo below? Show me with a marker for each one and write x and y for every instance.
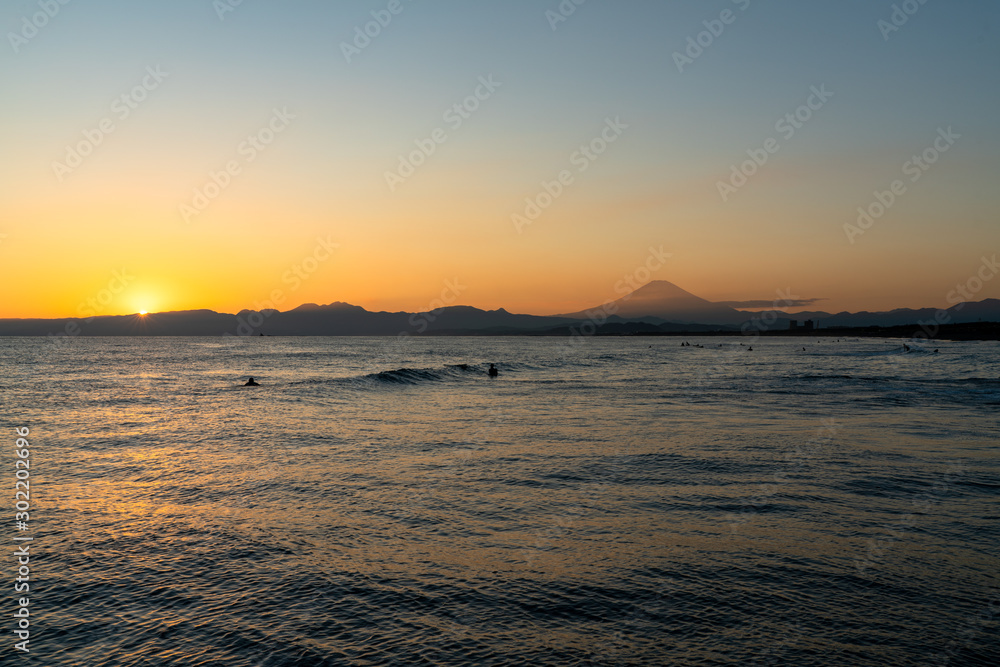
(954, 332)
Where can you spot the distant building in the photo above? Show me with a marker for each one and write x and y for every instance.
(808, 325)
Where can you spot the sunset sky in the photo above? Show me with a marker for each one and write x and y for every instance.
(115, 115)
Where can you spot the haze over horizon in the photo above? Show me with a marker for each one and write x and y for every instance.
(508, 332)
(199, 157)
(658, 298)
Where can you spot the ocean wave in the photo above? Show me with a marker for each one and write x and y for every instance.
(405, 376)
(420, 375)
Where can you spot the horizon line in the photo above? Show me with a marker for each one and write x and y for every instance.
(748, 310)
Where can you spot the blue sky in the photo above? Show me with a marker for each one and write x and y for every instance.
(658, 185)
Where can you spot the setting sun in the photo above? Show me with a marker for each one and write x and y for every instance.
(515, 331)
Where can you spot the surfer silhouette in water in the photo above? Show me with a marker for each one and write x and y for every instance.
(493, 372)
(251, 383)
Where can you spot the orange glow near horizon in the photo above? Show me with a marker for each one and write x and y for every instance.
(391, 262)
(400, 252)
(123, 232)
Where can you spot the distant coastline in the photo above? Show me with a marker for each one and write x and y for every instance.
(970, 331)
(658, 308)
(966, 331)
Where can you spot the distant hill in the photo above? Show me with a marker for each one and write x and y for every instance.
(987, 310)
(669, 303)
(336, 319)
(658, 307)
(663, 302)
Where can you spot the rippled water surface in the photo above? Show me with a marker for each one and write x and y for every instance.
(604, 501)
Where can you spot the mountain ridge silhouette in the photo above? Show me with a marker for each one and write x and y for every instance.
(658, 306)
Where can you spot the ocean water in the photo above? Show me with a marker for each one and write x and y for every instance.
(604, 501)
